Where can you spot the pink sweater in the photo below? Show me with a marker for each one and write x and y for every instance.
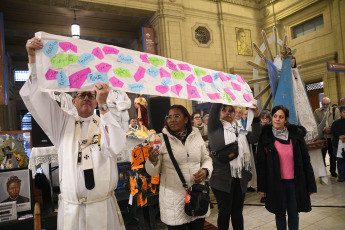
(285, 152)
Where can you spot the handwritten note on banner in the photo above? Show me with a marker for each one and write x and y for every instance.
(66, 64)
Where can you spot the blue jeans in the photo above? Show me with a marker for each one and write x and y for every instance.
(289, 205)
(340, 164)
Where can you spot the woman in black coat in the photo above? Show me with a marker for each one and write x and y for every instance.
(285, 175)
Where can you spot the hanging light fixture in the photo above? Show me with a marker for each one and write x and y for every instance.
(75, 28)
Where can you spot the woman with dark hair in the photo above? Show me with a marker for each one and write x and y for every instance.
(229, 180)
(338, 131)
(265, 117)
(193, 159)
(197, 123)
(285, 175)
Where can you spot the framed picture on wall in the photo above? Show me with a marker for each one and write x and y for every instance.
(15, 185)
(244, 42)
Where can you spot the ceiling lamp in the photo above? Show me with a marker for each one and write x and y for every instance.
(75, 28)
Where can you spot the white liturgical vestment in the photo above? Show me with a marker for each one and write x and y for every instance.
(119, 103)
(80, 208)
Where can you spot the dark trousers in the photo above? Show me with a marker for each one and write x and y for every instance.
(197, 224)
(230, 204)
(332, 158)
(289, 205)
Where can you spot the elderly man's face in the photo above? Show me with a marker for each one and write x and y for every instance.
(325, 103)
(238, 113)
(85, 103)
(13, 190)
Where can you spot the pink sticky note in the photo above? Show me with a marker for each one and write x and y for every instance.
(214, 96)
(164, 73)
(162, 88)
(236, 86)
(51, 74)
(144, 58)
(190, 79)
(192, 92)
(223, 77)
(184, 67)
(116, 82)
(207, 78)
(176, 89)
(110, 50)
(240, 79)
(68, 46)
(171, 65)
(139, 74)
(233, 97)
(103, 67)
(98, 53)
(246, 97)
(77, 79)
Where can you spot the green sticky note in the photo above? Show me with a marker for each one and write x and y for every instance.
(155, 61)
(122, 72)
(225, 96)
(199, 72)
(62, 60)
(177, 74)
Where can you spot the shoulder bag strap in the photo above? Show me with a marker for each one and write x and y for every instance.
(178, 170)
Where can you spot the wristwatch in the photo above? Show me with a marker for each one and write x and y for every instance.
(104, 107)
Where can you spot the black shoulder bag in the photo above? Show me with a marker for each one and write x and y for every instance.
(198, 196)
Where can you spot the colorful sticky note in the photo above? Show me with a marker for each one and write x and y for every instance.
(192, 92)
(50, 48)
(62, 60)
(171, 65)
(136, 87)
(164, 73)
(162, 89)
(240, 79)
(190, 79)
(236, 86)
(85, 58)
(199, 72)
(143, 58)
(246, 97)
(78, 78)
(62, 79)
(214, 96)
(110, 50)
(184, 67)
(225, 96)
(215, 76)
(155, 61)
(217, 87)
(98, 53)
(167, 81)
(51, 74)
(127, 60)
(122, 72)
(116, 82)
(178, 74)
(176, 89)
(97, 77)
(233, 97)
(223, 77)
(152, 71)
(103, 67)
(139, 74)
(232, 77)
(68, 46)
(201, 84)
(207, 78)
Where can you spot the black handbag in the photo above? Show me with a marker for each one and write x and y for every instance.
(223, 154)
(197, 198)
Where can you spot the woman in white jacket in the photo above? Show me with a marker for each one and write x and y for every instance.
(193, 159)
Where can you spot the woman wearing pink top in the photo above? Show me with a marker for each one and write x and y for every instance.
(285, 175)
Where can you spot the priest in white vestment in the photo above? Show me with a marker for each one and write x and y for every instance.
(85, 202)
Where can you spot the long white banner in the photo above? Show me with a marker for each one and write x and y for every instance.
(66, 64)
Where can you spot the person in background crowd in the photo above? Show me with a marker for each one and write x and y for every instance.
(238, 116)
(285, 175)
(205, 119)
(133, 125)
(342, 101)
(13, 188)
(197, 122)
(64, 100)
(338, 131)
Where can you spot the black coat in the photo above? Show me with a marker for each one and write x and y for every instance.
(268, 170)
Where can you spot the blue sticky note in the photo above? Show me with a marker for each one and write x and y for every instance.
(97, 77)
(215, 76)
(217, 87)
(136, 87)
(85, 58)
(201, 84)
(152, 71)
(233, 77)
(62, 79)
(50, 48)
(127, 60)
(167, 81)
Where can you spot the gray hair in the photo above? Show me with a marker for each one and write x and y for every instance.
(206, 115)
(342, 100)
(342, 108)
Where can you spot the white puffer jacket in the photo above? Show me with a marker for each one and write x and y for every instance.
(190, 157)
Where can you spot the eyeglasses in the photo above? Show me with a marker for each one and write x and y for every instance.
(197, 117)
(91, 96)
(175, 116)
(325, 104)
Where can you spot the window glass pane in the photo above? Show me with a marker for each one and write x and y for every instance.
(308, 27)
(21, 75)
